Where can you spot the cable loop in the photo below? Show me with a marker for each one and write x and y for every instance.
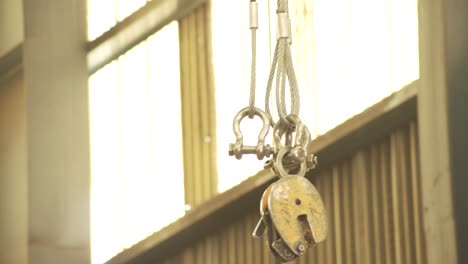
(282, 68)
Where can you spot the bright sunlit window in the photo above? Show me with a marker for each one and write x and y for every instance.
(348, 55)
(104, 14)
(137, 184)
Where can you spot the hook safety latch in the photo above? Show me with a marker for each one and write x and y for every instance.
(238, 149)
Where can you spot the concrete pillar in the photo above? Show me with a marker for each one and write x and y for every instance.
(57, 131)
(13, 171)
(443, 129)
(456, 41)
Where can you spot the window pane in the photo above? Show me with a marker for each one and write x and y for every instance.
(137, 166)
(361, 62)
(127, 7)
(166, 125)
(135, 138)
(103, 14)
(106, 209)
(346, 59)
(101, 17)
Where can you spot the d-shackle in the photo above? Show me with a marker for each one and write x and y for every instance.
(238, 149)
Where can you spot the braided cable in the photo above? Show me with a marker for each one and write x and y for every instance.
(253, 73)
(282, 67)
(281, 81)
(270, 83)
(295, 106)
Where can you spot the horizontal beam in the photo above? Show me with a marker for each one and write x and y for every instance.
(11, 62)
(362, 129)
(134, 29)
(370, 125)
(122, 37)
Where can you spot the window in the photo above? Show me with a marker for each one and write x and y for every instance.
(136, 145)
(104, 14)
(347, 54)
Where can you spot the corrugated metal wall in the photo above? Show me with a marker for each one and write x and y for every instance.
(374, 206)
(198, 107)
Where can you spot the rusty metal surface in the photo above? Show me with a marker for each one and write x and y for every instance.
(289, 199)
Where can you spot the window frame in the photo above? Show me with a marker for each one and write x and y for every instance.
(134, 29)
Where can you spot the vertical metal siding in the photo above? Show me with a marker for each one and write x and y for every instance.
(374, 207)
(197, 107)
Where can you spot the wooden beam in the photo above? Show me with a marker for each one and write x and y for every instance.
(360, 130)
(134, 29)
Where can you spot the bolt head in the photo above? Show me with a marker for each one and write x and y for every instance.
(298, 154)
(268, 164)
(268, 150)
(301, 248)
(312, 161)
